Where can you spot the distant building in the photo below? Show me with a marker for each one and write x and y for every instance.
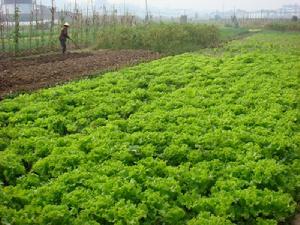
(183, 19)
(27, 10)
(24, 6)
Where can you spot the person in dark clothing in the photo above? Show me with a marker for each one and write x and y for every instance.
(63, 37)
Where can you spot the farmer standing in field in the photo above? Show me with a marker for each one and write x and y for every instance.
(63, 37)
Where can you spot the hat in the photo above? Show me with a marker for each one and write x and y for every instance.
(66, 24)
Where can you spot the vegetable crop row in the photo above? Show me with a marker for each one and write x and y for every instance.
(189, 139)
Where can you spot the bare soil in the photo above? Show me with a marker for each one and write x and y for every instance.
(296, 220)
(32, 73)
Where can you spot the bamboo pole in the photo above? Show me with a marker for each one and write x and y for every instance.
(17, 29)
(2, 30)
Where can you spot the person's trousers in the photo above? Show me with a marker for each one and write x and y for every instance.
(63, 45)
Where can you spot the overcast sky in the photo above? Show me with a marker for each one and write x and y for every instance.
(212, 4)
(196, 5)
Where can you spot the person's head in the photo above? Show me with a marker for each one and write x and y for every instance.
(66, 25)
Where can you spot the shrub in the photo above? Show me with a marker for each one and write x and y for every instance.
(286, 26)
(166, 38)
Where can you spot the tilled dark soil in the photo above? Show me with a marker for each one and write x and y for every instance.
(32, 73)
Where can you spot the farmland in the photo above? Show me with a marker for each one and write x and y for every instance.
(188, 139)
(130, 45)
(34, 72)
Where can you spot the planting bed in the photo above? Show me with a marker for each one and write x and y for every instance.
(31, 73)
(189, 139)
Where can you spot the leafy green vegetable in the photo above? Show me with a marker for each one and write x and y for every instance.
(189, 139)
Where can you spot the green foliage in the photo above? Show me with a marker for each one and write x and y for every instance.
(10, 167)
(167, 38)
(207, 219)
(294, 18)
(189, 139)
(284, 26)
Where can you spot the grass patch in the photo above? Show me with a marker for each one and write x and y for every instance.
(229, 33)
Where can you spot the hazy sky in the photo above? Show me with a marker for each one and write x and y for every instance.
(212, 4)
(196, 5)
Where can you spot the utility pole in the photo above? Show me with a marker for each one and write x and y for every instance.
(147, 12)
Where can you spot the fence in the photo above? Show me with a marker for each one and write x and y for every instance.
(38, 31)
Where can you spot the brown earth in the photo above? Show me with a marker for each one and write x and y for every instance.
(296, 221)
(32, 73)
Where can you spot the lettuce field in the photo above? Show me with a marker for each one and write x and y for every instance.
(196, 139)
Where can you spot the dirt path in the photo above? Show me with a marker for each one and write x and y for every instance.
(27, 74)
